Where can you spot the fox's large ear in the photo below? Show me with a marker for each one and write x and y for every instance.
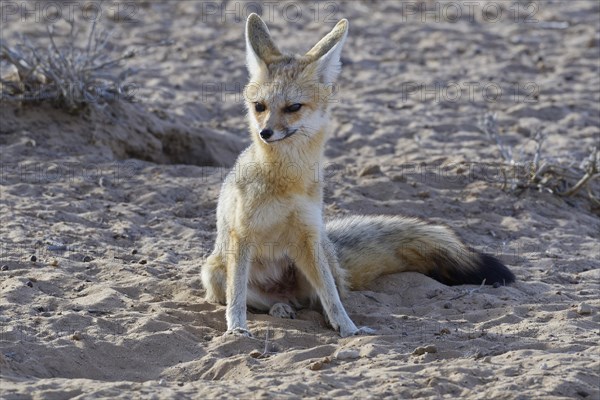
(260, 49)
(327, 52)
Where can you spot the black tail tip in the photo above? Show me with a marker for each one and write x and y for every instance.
(482, 267)
(493, 271)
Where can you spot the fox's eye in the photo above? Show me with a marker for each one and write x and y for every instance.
(293, 108)
(259, 107)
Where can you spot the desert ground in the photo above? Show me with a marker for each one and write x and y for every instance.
(108, 213)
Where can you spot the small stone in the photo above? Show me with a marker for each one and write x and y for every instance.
(447, 305)
(33, 258)
(422, 350)
(4, 268)
(584, 309)
(431, 349)
(496, 285)
(255, 354)
(143, 262)
(445, 331)
(316, 366)
(370, 170)
(348, 354)
(134, 252)
(54, 263)
(76, 336)
(423, 195)
(418, 351)
(87, 259)
(29, 283)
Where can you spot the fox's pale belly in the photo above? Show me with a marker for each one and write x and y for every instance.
(277, 281)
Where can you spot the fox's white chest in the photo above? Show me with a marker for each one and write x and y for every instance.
(277, 225)
(268, 215)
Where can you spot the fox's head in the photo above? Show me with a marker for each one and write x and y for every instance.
(288, 95)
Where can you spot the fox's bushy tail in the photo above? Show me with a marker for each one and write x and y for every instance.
(370, 246)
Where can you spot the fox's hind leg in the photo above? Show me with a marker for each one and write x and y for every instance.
(339, 274)
(214, 279)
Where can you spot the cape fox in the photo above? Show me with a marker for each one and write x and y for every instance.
(273, 250)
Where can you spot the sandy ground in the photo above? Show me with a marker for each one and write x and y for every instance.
(118, 209)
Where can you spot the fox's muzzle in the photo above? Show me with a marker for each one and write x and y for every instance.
(269, 135)
(265, 134)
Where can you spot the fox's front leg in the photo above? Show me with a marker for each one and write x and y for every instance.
(313, 263)
(238, 266)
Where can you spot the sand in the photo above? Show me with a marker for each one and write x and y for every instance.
(118, 208)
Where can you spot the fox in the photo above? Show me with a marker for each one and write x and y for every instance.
(273, 251)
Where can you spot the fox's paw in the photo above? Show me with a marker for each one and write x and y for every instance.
(282, 310)
(363, 330)
(238, 332)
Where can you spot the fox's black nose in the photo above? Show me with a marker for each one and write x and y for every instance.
(266, 133)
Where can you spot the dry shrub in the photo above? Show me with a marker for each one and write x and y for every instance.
(543, 173)
(66, 74)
